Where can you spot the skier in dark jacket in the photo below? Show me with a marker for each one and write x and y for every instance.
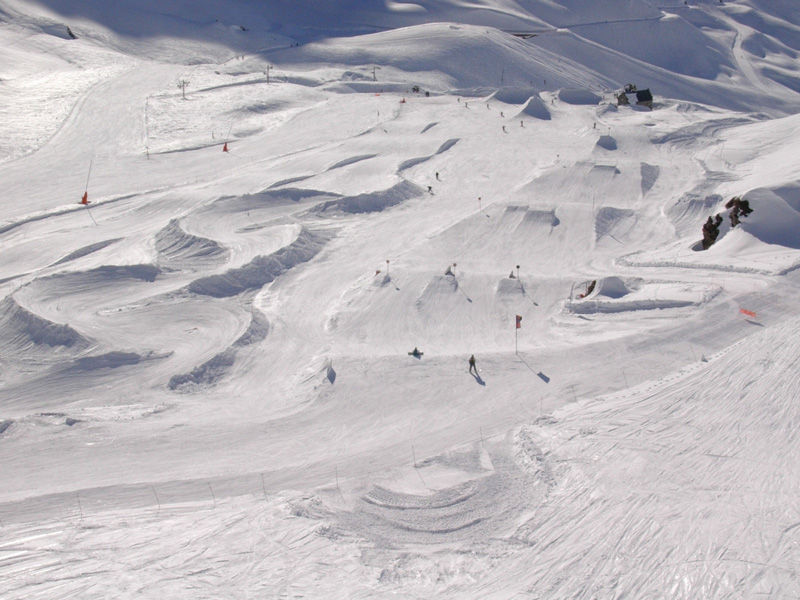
(472, 367)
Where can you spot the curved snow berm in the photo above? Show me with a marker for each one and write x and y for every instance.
(115, 359)
(25, 333)
(372, 201)
(86, 250)
(214, 369)
(104, 275)
(180, 250)
(204, 375)
(262, 269)
(271, 197)
(413, 162)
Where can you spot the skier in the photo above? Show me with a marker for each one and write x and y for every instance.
(472, 367)
(415, 353)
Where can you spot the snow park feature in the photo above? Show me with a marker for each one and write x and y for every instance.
(208, 382)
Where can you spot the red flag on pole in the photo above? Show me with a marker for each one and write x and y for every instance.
(225, 147)
(85, 198)
(519, 321)
(749, 313)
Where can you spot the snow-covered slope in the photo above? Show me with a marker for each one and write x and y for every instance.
(206, 386)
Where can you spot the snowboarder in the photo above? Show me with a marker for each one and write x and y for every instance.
(472, 368)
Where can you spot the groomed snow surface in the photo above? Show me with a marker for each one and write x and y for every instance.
(206, 386)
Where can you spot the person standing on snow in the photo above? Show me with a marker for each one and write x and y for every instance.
(472, 367)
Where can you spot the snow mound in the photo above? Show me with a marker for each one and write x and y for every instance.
(649, 174)
(25, 333)
(579, 97)
(180, 250)
(509, 287)
(774, 220)
(606, 141)
(262, 269)
(613, 222)
(371, 201)
(616, 295)
(514, 95)
(531, 218)
(616, 287)
(440, 285)
(535, 107)
(441, 297)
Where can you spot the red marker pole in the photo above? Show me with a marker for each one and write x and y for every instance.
(85, 197)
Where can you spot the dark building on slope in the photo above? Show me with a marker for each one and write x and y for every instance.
(643, 97)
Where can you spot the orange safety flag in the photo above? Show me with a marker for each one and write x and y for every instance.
(519, 321)
(749, 313)
(225, 147)
(85, 198)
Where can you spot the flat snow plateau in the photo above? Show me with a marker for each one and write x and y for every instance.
(206, 385)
